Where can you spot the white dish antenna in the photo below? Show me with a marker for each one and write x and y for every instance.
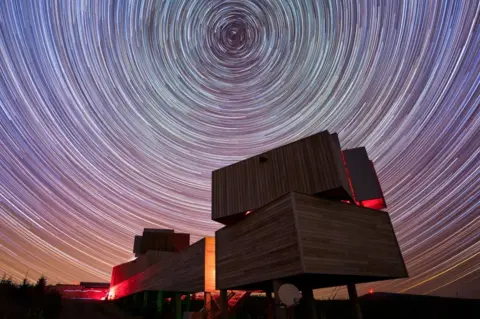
(289, 295)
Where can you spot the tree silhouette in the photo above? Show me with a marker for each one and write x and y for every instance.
(41, 283)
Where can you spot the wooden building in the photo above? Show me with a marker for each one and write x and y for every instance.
(155, 245)
(190, 270)
(139, 264)
(312, 165)
(310, 242)
(305, 213)
(160, 240)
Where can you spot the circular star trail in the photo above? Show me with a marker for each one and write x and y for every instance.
(114, 113)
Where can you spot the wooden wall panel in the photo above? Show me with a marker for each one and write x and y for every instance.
(141, 263)
(184, 271)
(164, 241)
(340, 165)
(263, 246)
(311, 165)
(343, 239)
(137, 244)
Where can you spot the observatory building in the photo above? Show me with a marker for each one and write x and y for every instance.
(302, 216)
(306, 214)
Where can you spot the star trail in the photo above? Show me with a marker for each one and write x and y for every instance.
(114, 113)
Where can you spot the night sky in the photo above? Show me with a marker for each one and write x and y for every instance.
(114, 114)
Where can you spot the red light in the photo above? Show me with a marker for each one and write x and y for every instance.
(249, 212)
(377, 203)
(370, 291)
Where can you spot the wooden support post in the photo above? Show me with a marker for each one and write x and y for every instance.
(309, 299)
(159, 302)
(207, 308)
(352, 293)
(280, 310)
(223, 304)
(178, 305)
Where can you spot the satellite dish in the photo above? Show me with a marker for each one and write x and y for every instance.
(289, 295)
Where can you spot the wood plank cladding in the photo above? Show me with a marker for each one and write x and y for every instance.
(301, 235)
(137, 244)
(311, 165)
(141, 263)
(261, 247)
(184, 271)
(343, 239)
(363, 177)
(163, 240)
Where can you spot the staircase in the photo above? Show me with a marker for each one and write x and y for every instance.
(234, 299)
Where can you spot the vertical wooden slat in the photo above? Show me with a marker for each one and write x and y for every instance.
(312, 165)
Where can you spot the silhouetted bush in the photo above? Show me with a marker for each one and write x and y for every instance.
(27, 301)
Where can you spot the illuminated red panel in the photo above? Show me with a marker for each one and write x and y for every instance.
(80, 292)
(377, 203)
(363, 179)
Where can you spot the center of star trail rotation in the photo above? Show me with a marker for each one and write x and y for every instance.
(114, 113)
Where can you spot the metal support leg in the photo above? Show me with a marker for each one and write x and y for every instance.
(307, 295)
(223, 304)
(352, 293)
(270, 304)
(280, 310)
(178, 306)
(145, 300)
(187, 302)
(159, 302)
(134, 301)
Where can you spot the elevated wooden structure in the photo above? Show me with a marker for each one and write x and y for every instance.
(152, 247)
(310, 242)
(312, 165)
(160, 240)
(141, 263)
(306, 213)
(190, 270)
